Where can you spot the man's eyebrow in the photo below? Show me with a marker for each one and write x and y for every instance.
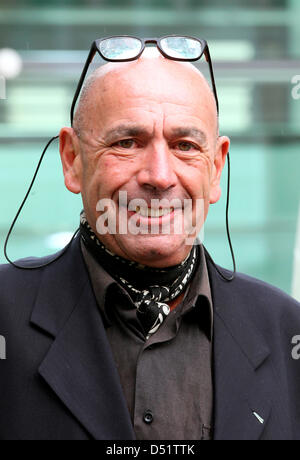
(125, 131)
(196, 133)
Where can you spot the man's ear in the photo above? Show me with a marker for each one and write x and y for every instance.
(71, 160)
(222, 149)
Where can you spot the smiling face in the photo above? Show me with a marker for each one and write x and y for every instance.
(149, 131)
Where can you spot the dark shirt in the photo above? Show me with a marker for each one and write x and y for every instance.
(167, 379)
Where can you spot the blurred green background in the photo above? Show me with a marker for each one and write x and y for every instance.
(256, 53)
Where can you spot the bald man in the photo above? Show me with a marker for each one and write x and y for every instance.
(133, 333)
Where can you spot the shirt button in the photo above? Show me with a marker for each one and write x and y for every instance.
(148, 417)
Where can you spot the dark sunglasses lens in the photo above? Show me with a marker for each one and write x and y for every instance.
(181, 47)
(120, 48)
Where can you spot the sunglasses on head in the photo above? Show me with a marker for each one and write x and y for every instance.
(124, 48)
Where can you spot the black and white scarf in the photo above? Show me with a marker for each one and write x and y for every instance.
(150, 288)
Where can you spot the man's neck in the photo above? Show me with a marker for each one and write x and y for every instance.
(174, 303)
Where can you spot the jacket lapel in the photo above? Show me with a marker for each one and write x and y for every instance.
(79, 366)
(242, 405)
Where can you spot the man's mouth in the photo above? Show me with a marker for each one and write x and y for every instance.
(153, 212)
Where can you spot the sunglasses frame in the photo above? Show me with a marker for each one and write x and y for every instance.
(95, 47)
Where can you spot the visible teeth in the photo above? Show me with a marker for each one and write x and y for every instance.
(149, 212)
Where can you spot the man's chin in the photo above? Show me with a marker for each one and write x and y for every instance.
(155, 250)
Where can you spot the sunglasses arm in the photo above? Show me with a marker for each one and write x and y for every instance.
(208, 59)
(91, 55)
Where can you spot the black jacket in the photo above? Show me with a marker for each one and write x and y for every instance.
(59, 380)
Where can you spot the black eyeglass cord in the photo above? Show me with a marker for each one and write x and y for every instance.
(64, 250)
(19, 212)
(231, 278)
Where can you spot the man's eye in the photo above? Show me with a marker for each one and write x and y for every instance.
(185, 146)
(126, 143)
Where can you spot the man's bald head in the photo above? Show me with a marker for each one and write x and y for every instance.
(152, 64)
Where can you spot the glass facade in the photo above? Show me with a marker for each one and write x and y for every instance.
(256, 56)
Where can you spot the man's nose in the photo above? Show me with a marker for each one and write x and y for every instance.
(157, 169)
